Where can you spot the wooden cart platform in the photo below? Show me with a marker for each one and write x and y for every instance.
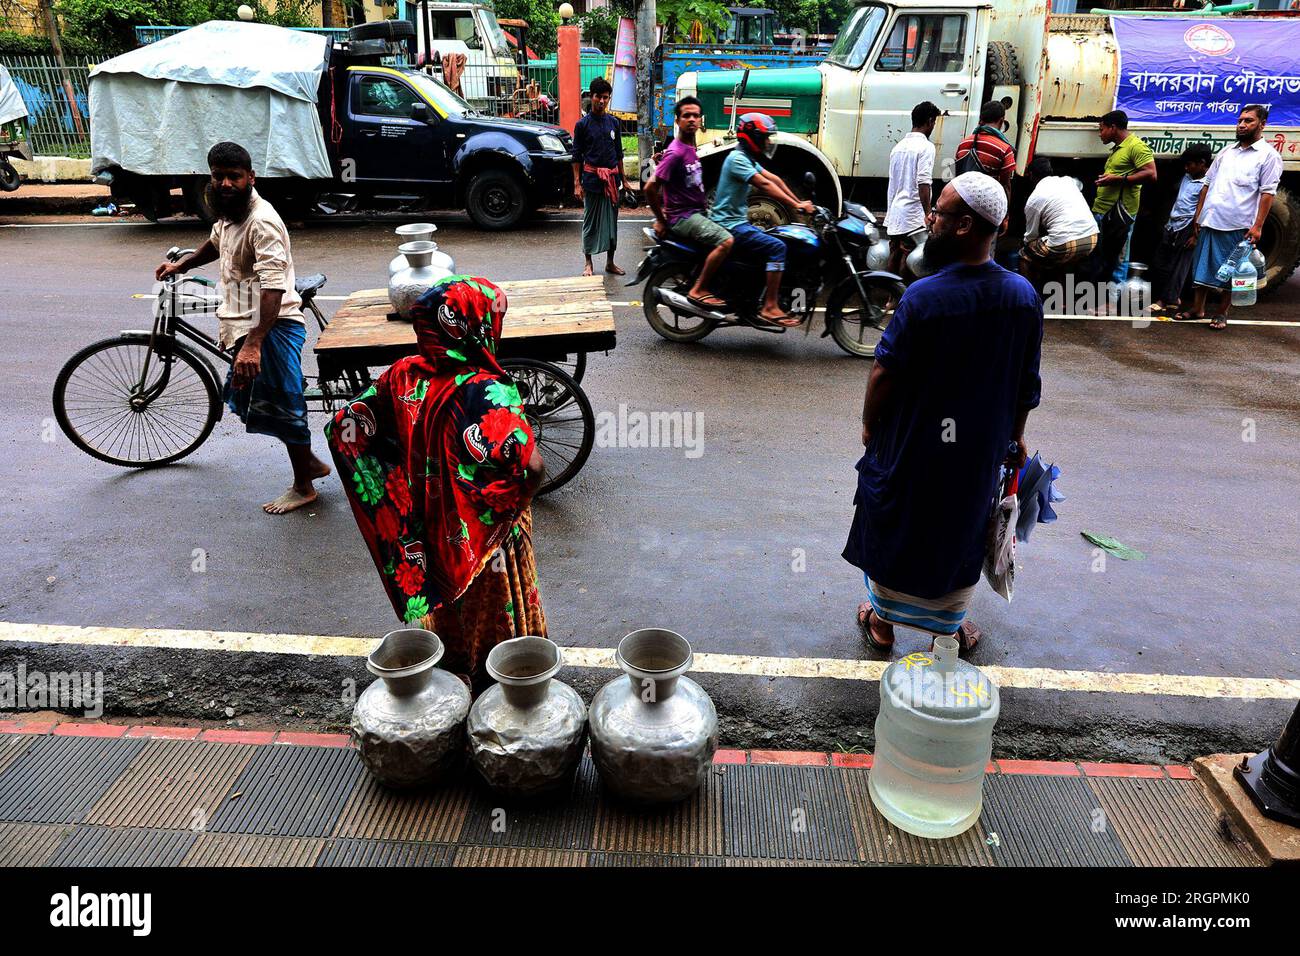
(546, 319)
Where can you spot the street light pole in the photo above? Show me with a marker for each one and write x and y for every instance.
(1272, 778)
(645, 45)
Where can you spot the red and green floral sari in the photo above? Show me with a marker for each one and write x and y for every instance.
(433, 459)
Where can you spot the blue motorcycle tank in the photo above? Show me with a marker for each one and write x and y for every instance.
(853, 227)
(794, 233)
(802, 243)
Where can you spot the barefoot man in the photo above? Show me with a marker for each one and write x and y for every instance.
(260, 317)
(598, 176)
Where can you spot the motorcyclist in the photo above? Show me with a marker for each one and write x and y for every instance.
(740, 172)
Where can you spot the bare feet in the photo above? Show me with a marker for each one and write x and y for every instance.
(319, 470)
(613, 270)
(587, 270)
(291, 500)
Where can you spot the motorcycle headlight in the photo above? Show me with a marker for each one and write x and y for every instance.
(550, 143)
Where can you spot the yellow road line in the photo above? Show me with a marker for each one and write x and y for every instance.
(1038, 678)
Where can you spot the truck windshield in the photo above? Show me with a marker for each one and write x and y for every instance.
(446, 100)
(857, 36)
(496, 36)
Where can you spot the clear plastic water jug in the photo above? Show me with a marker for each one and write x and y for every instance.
(1244, 283)
(934, 738)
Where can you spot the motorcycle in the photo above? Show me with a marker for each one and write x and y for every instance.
(829, 253)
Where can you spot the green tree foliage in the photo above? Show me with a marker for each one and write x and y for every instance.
(108, 26)
(813, 16)
(679, 16)
(543, 19)
(600, 28)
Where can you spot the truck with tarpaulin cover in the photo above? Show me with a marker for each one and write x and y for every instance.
(328, 126)
(1181, 79)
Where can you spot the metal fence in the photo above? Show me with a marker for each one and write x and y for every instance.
(145, 35)
(57, 128)
(530, 92)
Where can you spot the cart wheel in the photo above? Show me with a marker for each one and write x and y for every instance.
(575, 365)
(559, 415)
(94, 403)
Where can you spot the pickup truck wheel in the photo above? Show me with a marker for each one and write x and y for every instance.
(495, 199)
(196, 199)
(1280, 240)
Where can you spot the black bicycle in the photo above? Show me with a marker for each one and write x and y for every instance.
(146, 398)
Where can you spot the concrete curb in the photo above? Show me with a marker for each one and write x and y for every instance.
(789, 758)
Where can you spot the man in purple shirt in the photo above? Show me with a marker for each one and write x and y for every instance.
(676, 196)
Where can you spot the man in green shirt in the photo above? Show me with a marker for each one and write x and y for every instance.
(1130, 164)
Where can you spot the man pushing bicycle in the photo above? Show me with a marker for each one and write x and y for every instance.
(260, 317)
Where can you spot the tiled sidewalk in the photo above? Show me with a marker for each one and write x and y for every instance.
(95, 795)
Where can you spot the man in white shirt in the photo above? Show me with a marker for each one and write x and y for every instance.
(1060, 229)
(1234, 203)
(911, 169)
(259, 318)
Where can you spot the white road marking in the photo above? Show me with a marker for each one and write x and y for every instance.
(636, 304)
(1037, 678)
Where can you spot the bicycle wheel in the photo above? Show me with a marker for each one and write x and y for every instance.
(93, 403)
(560, 416)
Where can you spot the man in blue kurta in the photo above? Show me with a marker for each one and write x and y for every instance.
(955, 376)
(598, 176)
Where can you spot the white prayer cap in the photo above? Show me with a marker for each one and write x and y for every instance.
(984, 195)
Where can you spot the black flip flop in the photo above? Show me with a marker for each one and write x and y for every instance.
(701, 304)
(1218, 322)
(1187, 315)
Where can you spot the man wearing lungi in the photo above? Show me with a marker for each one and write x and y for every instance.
(259, 317)
(598, 176)
(955, 377)
(1234, 205)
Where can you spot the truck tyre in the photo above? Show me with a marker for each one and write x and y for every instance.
(9, 178)
(390, 30)
(196, 199)
(1280, 241)
(152, 196)
(1002, 68)
(495, 199)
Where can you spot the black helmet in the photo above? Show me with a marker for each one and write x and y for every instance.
(756, 130)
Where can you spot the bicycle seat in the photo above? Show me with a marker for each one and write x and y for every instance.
(309, 286)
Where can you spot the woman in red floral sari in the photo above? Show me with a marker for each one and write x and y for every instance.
(440, 464)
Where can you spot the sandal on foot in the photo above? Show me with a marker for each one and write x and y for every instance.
(1187, 315)
(968, 636)
(864, 626)
(710, 301)
(1218, 322)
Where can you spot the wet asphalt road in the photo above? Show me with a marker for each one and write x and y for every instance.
(738, 548)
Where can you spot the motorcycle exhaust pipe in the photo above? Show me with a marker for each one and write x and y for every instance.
(679, 303)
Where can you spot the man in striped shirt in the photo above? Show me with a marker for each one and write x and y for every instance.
(994, 154)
